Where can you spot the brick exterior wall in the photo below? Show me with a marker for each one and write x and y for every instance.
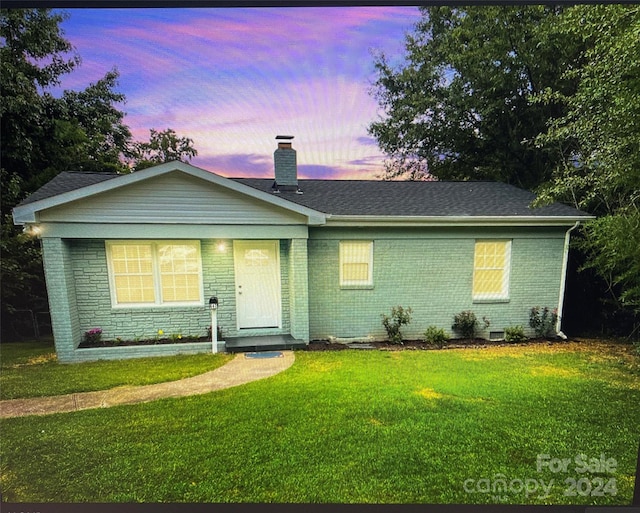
(62, 296)
(89, 263)
(428, 270)
(89, 267)
(299, 289)
(78, 286)
(432, 273)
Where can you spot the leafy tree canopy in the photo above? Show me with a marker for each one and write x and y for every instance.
(33, 55)
(460, 102)
(42, 135)
(598, 141)
(546, 98)
(162, 147)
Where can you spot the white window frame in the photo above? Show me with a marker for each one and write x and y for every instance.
(356, 283)
(157, 278)
(506, 278)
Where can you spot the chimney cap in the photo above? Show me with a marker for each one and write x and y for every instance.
(284, 137)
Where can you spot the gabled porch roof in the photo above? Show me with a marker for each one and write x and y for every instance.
(68, 187)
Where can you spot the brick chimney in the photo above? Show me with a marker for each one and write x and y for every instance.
(286, 166)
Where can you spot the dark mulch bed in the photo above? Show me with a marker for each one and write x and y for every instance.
(325, 345)
(418, 345)
(146, 342)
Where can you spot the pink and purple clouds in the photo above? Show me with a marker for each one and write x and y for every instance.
(234, 78)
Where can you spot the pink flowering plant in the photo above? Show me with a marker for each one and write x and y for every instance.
(92, 336)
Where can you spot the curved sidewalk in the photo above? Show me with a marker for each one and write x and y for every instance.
(238, 371)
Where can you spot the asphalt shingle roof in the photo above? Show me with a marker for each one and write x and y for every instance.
(67, 181)
(371, 198)
(396, 198)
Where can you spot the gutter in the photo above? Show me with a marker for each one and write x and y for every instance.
(395, 221)
(563, 280)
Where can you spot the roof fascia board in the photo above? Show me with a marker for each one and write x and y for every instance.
(27, 213)
(165, 231)
(341, 220)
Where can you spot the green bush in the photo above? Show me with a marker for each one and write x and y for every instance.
(466, 324)
(435, 336)
(543, 321)
(514, 334)
(399, 317)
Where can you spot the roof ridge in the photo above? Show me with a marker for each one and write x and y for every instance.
(357, 180)
(103, 173)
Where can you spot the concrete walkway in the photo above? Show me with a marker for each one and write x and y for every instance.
(238, 371)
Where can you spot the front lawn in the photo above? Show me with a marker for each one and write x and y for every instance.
(30, 369)
(356, 426)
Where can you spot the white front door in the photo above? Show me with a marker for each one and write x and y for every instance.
(257, 270)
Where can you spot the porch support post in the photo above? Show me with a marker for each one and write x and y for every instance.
(61, 292)
(299, 289)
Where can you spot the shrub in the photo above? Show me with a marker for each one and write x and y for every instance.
(399, 317)
(466, 324)
(543, 321)
(92, 336)
(435, 336)
(514, 334)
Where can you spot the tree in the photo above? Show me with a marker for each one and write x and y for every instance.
(21, 263)
(547, 98)
(42, 135)
(598, 143)
(403, 168)
(106, 139)
(81, 131)
(33, 55)
(460, 102)
(162, 147)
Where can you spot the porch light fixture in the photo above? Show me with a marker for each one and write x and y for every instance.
(32, 229)
(221, 247)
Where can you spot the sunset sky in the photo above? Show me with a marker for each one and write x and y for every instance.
(232, 79)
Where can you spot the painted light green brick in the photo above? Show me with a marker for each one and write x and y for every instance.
(430, 271)
(299, 289)
(62, 296)
(95, 309)
(146, 351)
(87, 274)
(218, 280)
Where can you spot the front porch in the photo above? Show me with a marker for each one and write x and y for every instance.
(263, 343)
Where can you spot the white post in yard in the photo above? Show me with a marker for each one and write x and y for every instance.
(214, 330)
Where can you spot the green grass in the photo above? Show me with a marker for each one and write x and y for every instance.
(30, 369)
(348, 427)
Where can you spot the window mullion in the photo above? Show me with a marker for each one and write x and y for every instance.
(157, 277)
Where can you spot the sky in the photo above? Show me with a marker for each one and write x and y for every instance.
(232, 79)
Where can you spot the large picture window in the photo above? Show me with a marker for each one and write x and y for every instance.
(356, 263)
(154, 273)
(491, 264)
